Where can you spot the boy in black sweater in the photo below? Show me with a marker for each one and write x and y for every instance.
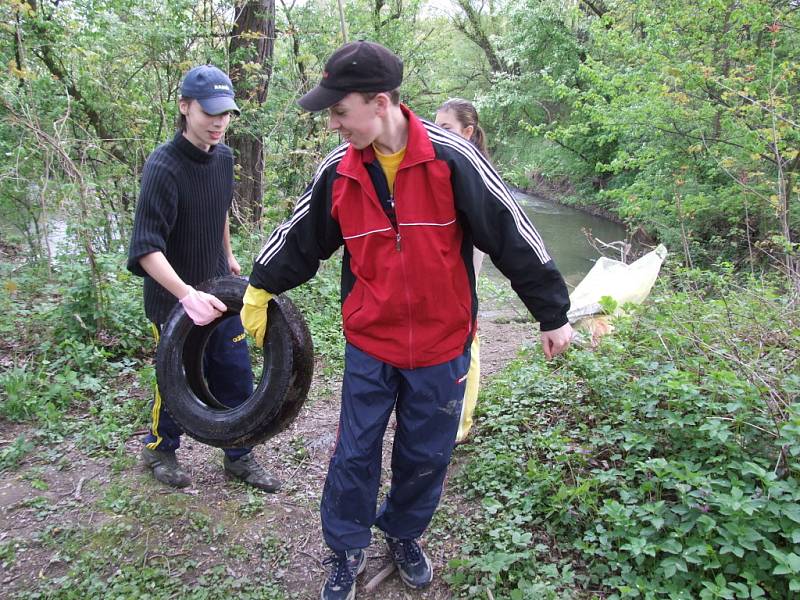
(181, 238)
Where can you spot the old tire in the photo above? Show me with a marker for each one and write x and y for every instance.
(278, 395)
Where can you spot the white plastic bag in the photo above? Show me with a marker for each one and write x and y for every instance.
(624, 283)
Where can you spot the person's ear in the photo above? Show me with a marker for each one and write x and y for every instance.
(183, 106)
(382, 102)
(468, 131)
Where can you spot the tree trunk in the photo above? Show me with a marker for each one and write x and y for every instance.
(473, 27)
(251, 50)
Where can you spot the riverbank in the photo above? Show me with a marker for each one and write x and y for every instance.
(563, 196)
(569, 234)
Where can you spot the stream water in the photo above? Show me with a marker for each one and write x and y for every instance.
(562, 227)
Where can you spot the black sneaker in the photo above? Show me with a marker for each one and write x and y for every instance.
(165, 467)
(248, 470)
(345, 567)
(411, 561)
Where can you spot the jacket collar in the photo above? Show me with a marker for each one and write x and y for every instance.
(419, 148)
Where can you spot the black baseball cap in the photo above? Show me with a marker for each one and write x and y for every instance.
(355, 67)
(212, 88)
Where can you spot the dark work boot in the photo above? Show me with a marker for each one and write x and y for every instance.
(248, 470)
(411, 561)
(165, 467)
(345, 567)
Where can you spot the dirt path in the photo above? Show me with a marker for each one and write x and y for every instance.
(214, 522)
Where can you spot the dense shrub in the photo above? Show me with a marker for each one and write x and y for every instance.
(662, 465)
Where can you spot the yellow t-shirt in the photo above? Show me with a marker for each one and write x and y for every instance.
(390, 164)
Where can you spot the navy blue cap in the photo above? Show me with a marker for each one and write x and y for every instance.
(212, 88)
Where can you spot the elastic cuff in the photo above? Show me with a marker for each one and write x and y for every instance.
(551, 325)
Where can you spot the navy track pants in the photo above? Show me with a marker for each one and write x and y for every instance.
(226, 366)
(427, 401)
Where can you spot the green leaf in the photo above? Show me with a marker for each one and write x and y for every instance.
(792, 511)
(672, 546)
(794, 562)
(492, 505)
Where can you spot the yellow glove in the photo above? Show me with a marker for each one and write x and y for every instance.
(254, 313)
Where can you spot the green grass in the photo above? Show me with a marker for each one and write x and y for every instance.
(662, 465)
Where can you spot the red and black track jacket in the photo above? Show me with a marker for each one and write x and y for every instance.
(408, 288)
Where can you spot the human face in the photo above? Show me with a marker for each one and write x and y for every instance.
(202, 129)
(446, 119)
(357, 121)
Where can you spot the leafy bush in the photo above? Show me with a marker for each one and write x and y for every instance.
(68, 351)
(105, 308)
(58, 376)
(662, 465)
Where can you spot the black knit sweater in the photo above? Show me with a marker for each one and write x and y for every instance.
(183, 203)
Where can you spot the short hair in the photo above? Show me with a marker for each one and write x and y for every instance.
(394, 95)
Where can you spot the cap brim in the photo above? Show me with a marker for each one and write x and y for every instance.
(218, 105)
(321, 98)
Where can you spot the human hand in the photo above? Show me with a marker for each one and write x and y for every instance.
(233, 265)
(254, 313)
(556, 341)
(202, 308)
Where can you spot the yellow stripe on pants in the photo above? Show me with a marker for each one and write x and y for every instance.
(156, 402)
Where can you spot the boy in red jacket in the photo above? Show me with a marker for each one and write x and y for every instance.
(408, 200)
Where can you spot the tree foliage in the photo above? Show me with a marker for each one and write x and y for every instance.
(683, 117)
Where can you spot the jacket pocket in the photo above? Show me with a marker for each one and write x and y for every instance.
(353, 304)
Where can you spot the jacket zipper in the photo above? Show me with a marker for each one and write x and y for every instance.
(408, 305)
(398, 248)
(405, 282)
(396, 231)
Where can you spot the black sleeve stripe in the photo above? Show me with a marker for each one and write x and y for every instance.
(277, 238)
(493, 183)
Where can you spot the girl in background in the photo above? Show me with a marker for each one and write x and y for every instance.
(460, 117)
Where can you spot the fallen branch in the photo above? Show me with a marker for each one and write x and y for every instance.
(78, 488)
(311, 556)
(382, 574)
